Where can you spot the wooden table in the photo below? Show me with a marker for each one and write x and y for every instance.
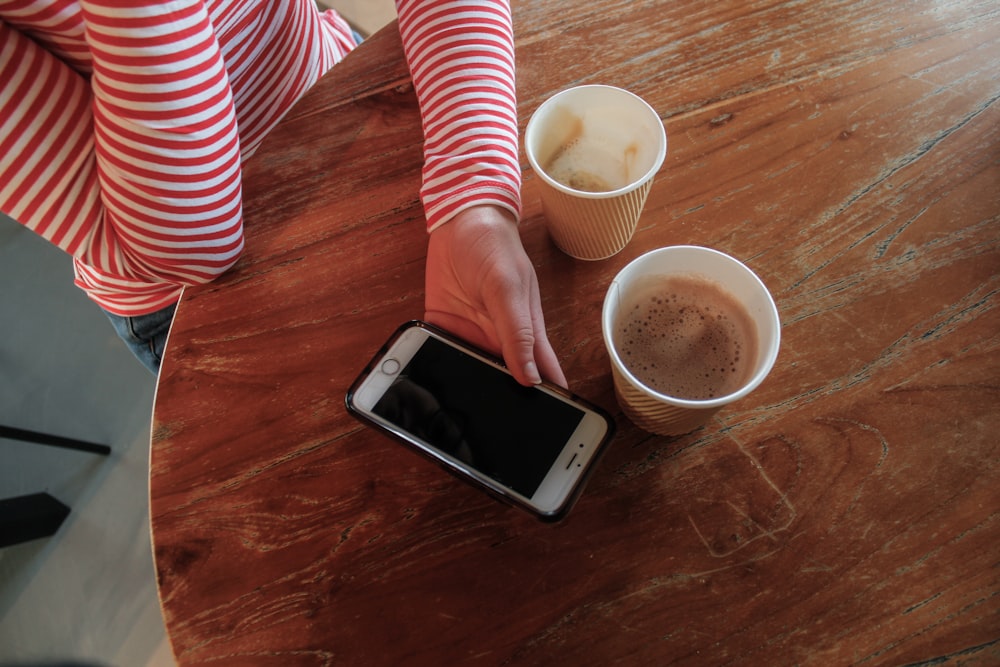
(847, 512)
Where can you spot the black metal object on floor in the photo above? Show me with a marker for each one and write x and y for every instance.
(37, 515)
(52, 440)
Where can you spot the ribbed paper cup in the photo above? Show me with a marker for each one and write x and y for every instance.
(652, 413)
(661, 413)
(595, 150)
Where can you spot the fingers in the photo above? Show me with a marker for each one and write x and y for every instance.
(519, 353)
(515, 305)
(548, 362)
(482, 287)
(522, 366)
(542, 355)
(545, 355)
(509, 335)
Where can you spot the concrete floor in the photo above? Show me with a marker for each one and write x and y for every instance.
(86, 596)
(88, 593)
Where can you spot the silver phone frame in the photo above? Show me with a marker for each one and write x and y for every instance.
(564, 480)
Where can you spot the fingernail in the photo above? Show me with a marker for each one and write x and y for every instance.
(531, 372)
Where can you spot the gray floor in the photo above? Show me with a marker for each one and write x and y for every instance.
(88, 594)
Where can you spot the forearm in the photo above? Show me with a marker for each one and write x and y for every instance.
(461, 57)
(136, 171)
(166, 143)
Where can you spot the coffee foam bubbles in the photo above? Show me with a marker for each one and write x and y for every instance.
(686, 337)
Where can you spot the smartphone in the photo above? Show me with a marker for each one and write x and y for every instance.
(533, 447)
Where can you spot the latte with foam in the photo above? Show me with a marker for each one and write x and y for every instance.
(686, 337)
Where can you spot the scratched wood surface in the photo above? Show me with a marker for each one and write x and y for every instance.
(847, 512)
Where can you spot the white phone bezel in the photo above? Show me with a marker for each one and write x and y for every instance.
(562, 478)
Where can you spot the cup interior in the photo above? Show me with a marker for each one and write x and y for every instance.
(732, 275)
(602, 130)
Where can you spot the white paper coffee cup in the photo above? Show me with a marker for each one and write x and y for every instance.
(659, 412)
(595, 150)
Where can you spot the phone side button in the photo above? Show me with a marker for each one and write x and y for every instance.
(390, 366)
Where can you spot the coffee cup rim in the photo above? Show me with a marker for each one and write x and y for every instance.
(584, 194)
(769, 353)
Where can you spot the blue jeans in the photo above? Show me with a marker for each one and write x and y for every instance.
(145, 335)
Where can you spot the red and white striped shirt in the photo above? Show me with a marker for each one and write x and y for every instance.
(123, 123)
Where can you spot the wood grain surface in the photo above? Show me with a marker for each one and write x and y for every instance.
(846, 512)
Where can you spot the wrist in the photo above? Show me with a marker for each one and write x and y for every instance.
(484, 207)
(482, 215)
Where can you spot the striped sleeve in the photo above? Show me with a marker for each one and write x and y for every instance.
(56, 25)
(461, 58)
(166, 142)
(47, 176)
(135, 173)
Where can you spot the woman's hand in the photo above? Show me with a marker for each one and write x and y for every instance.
(481, 286)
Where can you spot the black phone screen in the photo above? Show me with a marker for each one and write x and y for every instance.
(479, 415)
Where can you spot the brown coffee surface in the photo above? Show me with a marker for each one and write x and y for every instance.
(582, 180)
(568, 166)
(686, 337)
